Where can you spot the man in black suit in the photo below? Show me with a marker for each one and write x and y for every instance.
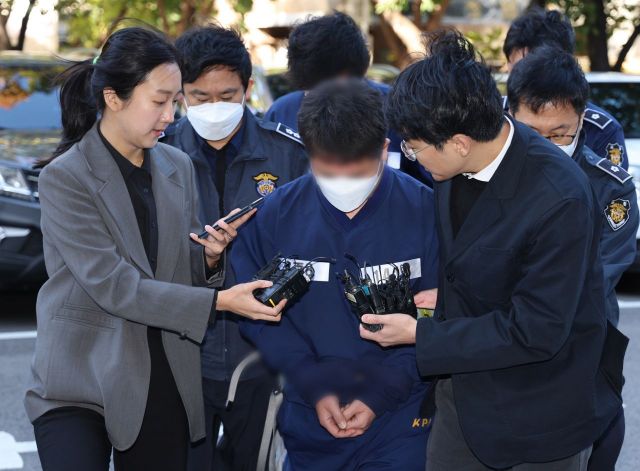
(530, 375)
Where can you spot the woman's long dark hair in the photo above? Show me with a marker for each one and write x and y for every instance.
(126, 59)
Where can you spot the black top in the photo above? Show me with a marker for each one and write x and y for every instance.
(465, 192)
(219, 161)
(138, 182)
(163, 392)
(221, 171)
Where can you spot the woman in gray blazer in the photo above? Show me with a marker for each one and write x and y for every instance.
(129, 295)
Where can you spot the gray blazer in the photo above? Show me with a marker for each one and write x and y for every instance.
(101, 295)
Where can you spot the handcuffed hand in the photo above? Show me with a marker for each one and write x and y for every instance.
(331, 417)
(359, 417)
(349, 421)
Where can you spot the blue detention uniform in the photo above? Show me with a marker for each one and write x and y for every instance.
(317, 345)
(285, 110)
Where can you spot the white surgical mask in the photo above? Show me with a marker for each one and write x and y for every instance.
(569, 149)
(347, 193)
(215, 121)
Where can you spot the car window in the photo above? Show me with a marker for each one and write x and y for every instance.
(28, 98)
(621, 101)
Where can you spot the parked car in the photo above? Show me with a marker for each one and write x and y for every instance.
(29, 130)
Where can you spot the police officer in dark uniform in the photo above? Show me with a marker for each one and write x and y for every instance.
(603, 133)
(324, 48)
(558, 116)
(237, 159)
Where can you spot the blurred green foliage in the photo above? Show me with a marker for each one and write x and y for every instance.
(90, 21)
(489, 44)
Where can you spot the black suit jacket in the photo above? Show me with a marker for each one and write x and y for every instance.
(520, 322)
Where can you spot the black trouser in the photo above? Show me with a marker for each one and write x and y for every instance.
(243, 424)
(75, 438)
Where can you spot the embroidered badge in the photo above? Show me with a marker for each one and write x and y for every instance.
(617, 213)
(265, 183)
(615, 153)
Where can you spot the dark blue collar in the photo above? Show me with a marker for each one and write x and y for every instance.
(579, 151)
(373, 203)
(232, 148)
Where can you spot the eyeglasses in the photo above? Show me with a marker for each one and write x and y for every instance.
(563, 139)
(409, 152)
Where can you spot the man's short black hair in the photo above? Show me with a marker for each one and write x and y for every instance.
(450, 91)
(547, 75)
(204, 47)
(325, 47)
(538, 27)
(343, 120)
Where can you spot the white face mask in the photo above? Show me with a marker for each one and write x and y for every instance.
(347, 193)
(569, 149)
(215, 121)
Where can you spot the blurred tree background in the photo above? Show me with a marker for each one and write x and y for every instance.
(396, 26)
(595, 22)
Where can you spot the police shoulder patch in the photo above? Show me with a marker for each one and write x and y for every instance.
(617, 213)
(615, 153)
(265, 183)
(597, 118)
(288, 132)
(615, 171)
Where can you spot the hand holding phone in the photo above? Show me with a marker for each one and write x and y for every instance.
(234, 216)
(216, 238)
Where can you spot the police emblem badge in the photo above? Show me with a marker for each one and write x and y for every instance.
(615, 153)
(617, 213)
(265, 183)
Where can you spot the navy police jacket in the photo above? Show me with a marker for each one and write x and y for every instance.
(615, 196)
(604, 136)
(270, 155)
(520, 322)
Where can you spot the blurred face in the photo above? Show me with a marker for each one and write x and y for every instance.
(515, 57)
(141, 120)
(347, 186)
(557, 123)
(443, 164)
(330, 168)
(217, 84)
